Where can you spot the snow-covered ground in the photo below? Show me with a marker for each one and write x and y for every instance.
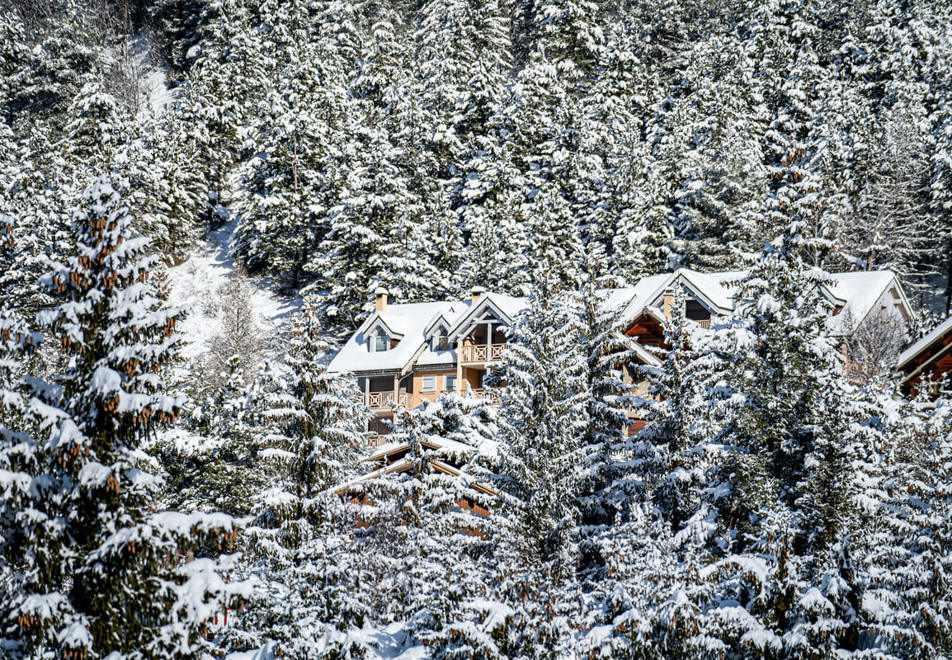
(196, 282)
(156, 90)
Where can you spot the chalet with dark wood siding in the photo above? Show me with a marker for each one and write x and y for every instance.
(929, 360)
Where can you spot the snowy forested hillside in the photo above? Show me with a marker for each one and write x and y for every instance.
(199, 197)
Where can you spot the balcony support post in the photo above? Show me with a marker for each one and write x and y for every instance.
(396, 388)
(367, 402)
(459, 366)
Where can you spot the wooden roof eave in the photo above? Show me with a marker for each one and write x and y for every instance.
(404, 465)
(376, 456)
(938, 355)
(646, 356)
(454, 472)
(472, 318)
(647, 310)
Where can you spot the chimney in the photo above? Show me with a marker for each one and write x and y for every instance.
(476, 292)
(668, 303)
(380, 299)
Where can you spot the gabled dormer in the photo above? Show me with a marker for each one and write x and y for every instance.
(439, 338)
(379, 337)
(704, 296)
(436, 333)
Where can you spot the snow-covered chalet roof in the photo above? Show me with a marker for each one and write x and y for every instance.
(408, 322)
(858, 293)
(913, 351)
(504, 307)
(855, 293)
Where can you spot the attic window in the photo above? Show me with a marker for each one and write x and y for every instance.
(696, 311)
(379, 341)
(439, 342)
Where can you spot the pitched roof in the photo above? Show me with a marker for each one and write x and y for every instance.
(409, 320)
(507, 307)
(856, 292)
(713, 289)
(926, 342)
(859, 292)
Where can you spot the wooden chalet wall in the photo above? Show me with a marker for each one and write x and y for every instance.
(933, 362)
(648, 331)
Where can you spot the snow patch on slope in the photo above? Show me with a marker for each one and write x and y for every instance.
(196, 282)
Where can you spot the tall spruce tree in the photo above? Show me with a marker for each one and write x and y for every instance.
(94, 574)
(310, 429)
(542, 380)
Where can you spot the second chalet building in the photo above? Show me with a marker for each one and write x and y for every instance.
(411, 353)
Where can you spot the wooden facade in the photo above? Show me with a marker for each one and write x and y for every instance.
(928, 364)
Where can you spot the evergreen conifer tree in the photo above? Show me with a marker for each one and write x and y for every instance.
(94, 574)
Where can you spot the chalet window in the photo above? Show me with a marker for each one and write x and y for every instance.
(379, 341)
(429, 384)
(696, 311)
(439, 340)
(450, 383)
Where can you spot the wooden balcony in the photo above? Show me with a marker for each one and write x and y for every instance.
(491, 396)
(381, 400)
(481, 353)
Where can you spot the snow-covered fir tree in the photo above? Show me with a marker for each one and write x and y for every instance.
(544, 415)
(92, 575)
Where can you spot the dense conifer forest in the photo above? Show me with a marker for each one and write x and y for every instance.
(198, 199)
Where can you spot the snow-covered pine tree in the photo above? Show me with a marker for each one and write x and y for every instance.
(721, 176)
(167, 192)
(61, 59)
(443, 518)
(492, 218)
(95, 129)
(311, 432)
(322, 415)
(216, 467)
(179, 23)
(290, 181)
(221, 91)
(542, 380)
(894, 229)
(239, 337)
(610, 355)
(910, 565)
(783, 38)
(686, 410)
(464, 53)
(642, 604)
(95, 573)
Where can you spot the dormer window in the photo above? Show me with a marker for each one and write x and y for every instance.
(695, 311)
(379, 341)
(439, 341)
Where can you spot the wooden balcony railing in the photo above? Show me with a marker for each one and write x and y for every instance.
(381, 400)
(492, 396)
(481, 353)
